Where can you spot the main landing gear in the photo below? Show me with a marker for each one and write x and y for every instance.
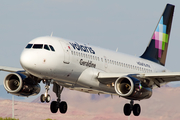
(62, 105)
(132, 107)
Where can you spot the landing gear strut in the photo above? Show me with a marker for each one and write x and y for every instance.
(62, 105)
(132, 107)
(46, 97)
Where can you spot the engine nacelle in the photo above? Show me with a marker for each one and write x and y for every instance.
(131, 88)
(20, 85)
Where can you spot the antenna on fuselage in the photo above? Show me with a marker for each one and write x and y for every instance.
(116, 49)
(51, 34)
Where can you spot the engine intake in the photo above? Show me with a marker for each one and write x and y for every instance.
(131, 88)
(20, 85)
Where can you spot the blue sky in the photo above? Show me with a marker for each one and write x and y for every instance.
(127, 25)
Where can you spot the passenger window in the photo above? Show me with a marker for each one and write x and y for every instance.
(29, 46)
(46, 47)
(38, 46)
(105, 60)
(52, 48)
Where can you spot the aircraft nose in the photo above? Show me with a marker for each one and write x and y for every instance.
(26, 60)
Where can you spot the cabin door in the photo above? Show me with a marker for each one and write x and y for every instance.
(67, 51)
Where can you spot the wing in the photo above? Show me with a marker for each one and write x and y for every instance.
(10, 69)
(152, 78)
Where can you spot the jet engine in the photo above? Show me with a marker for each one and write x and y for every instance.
(131, 88)
(21, 85)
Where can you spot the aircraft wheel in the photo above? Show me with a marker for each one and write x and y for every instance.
(42, 98)
(54, 107)
(127, 109)
(48, 98)
(136, 110)
(63, 107)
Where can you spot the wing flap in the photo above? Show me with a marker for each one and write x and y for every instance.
(165, 76)
(155, 78)
(160, 74)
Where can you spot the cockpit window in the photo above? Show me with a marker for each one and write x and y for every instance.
(51, 47)
(46, 47)
(29, 46)
(38, 46)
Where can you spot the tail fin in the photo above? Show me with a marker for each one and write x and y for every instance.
(157, 48)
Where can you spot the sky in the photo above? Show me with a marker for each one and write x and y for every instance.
(126, 25)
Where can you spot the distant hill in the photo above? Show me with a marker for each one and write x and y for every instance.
(163, 105)
(37, 111)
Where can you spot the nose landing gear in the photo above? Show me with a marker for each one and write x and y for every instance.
(46, 97)
(128, 108)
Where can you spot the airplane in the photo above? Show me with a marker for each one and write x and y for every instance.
(94, 70)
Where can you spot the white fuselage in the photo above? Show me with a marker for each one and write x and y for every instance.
(70, 59)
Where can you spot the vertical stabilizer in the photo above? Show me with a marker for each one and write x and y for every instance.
(157, 48)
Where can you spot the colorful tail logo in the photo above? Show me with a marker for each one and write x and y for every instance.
(160, 37)
(157, 49)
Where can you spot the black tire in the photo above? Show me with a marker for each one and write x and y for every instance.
(136, 110)
(54, 107)
(127, 109)
(63, 107)
(48, 98)
(42, 98)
